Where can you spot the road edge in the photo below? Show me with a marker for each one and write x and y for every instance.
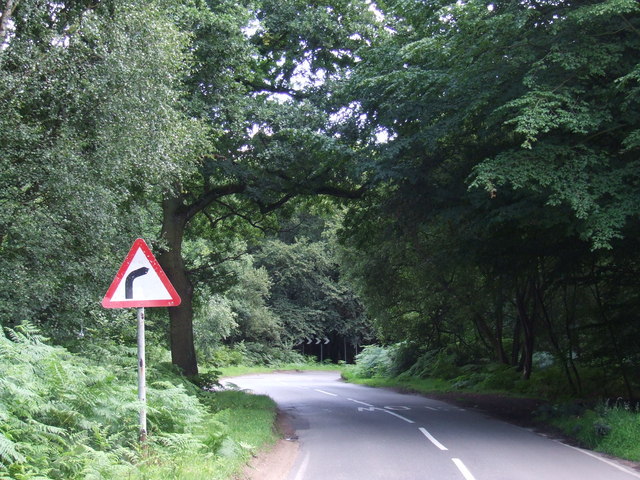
(276, 462)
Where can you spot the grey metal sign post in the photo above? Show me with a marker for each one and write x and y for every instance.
(142, 382)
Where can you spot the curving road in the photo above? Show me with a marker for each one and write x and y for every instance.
(353, 432)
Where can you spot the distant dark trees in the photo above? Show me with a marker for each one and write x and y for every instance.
(506, 217)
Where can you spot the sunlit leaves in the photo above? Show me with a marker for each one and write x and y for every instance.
(92, 132)
(469, 85)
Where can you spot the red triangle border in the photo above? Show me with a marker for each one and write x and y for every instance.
(174, 301)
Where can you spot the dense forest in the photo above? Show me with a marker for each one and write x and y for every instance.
(457, 179)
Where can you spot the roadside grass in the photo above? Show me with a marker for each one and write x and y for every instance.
(612, 429)
(246, 422)
(413, 384)
(238, 370)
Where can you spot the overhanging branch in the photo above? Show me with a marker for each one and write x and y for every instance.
(211, 195)
(340, 192)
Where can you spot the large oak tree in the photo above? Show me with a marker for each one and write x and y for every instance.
(261, 78)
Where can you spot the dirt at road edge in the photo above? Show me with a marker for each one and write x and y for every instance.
(276, 462)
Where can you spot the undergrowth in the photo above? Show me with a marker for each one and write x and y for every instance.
(69, 416)
(607, 427)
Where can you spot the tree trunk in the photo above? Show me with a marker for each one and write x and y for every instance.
(499, 330)
(183, 353)
(526, 321)
(556, 342)
(493, 338)
(570, 315)
(515, 348)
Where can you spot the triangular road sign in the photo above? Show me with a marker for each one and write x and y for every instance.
(140, 282)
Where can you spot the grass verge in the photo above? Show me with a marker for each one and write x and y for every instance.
(237, 370)
(612, 429)
(419, 385)
(246, 422)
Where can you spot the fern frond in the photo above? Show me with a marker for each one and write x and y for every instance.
(247, 446)
(179, 442)
(46, 428)
(26, 332)
(9, 451)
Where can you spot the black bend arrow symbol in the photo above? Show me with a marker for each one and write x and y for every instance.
(128, 283)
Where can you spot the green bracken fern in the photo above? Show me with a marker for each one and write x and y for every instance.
(64, 416)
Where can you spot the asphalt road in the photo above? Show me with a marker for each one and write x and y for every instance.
(353, 432)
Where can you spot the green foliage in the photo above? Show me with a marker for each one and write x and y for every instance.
(435, 363)
(250, 354)
(501, 180)
(240, 314)
(282, 292)
(373, 361)
(91, 135)
(214, 321)
(520, 108)
(425, 385)
(56, 403)
(502, 378)
(607, 428)
(308, 292)
(61, 415)
(263, 354)
(249, 300)
(226, 356)
(66, 416)
(404, 356)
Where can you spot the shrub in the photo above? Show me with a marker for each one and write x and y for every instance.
(260, 354)
(606, 428)
(228, 356)
(436, 363)
(550, 382)
(373, 361)
(500, 377)
(542, 360)
(403, 356)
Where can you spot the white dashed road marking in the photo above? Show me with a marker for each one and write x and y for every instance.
(463, 469)
(396, 415)
(432, 439)
(326, 393)
(361, 403)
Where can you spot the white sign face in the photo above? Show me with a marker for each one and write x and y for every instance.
(140, 282)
